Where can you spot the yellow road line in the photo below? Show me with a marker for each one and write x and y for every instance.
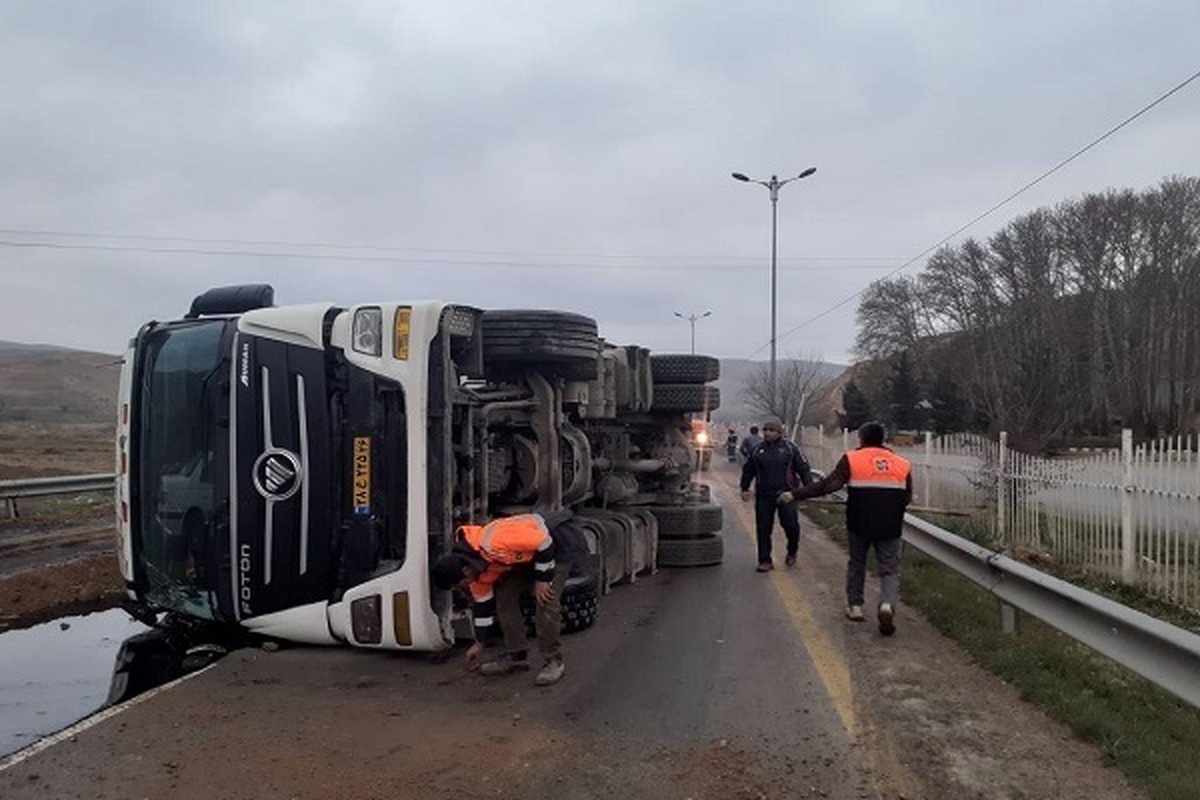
(830, 665)
(889, 774)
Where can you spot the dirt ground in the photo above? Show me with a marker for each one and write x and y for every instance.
(39, 449)
(75, 586)
(48, 563)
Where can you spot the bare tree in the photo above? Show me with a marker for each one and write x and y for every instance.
(796, 379)
(1076, 317)
(891, 317)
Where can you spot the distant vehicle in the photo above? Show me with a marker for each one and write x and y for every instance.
(731, 445)
(294, 471)
(702, 440)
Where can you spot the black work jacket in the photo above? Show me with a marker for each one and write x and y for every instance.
(775, 467)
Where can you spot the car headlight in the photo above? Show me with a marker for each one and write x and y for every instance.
(367, 334)
(702, 438)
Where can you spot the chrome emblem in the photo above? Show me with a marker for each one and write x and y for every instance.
(277, 474)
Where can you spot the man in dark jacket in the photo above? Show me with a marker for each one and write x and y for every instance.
(774, 466)
(879, 488)
(751, 441)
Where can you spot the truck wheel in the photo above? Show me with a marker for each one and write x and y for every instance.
(685, 397)
(554, 341)
(703, 552)
(687, 522)
(684, 368)
(580, 604)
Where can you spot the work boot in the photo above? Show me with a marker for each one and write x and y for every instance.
(887, 621)
(506, 664)
(551, 672)
(790, 560)
(855, 613)
(765, 566)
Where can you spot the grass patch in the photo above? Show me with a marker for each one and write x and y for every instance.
(1145, 732)
(51, 510)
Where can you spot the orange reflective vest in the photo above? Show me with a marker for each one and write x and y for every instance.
(877, 468)
(508, 542)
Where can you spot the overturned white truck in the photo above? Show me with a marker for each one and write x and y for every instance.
(293, 471)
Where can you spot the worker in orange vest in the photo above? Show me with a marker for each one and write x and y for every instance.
(499, 562)
(878, 488)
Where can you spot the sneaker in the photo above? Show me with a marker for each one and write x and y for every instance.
(765, 566)
(790, 560)
(855, 613)
(504, 665)
(551, 672)
(887, 622)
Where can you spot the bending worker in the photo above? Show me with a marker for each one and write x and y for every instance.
(879, 487)
(499, 562)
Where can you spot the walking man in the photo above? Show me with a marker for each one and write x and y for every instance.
(879, 488)
(774, 466)
(499, 562)
(751, 441)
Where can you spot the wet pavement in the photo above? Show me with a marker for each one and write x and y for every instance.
(54, 674)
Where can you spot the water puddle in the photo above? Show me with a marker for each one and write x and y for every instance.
(54, 674)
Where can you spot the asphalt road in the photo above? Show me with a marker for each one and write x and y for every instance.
(714, 682)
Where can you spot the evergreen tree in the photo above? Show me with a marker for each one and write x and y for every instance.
(903, 394)
(857, 408)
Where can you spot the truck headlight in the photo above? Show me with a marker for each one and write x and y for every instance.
(702, 438)
(367, 333)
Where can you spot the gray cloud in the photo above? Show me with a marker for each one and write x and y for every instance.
(584, 151)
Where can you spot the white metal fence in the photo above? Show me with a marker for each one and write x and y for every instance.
(1131, 514)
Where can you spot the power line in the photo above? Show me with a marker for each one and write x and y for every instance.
(390, 248)
(991, 210)
(557, 265)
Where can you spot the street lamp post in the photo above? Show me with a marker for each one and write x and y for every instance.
(774, 185)
(692, 319)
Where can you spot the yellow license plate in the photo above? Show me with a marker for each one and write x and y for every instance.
(362, 474)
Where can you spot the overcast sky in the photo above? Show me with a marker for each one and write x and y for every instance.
(550, 154)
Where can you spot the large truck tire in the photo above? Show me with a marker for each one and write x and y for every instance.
(558, 342)
(706, 551)
(580, 605)
(674, 368)
(684, 397)
(687, 522)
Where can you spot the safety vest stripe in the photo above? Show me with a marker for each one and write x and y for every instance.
(544, 566)
(484, 622)
(865, 484)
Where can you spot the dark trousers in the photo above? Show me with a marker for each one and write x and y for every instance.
(546, 619)
(765, 510)
(887, 564)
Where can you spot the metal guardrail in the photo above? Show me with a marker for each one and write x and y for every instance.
(1158, 651)
(61, 484)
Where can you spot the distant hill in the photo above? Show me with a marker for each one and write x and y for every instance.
(42, 383)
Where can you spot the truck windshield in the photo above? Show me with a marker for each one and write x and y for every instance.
(181, 456)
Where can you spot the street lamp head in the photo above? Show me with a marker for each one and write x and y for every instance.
(739, 176)
(807, 172)
(706, 314)
(680, 315)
